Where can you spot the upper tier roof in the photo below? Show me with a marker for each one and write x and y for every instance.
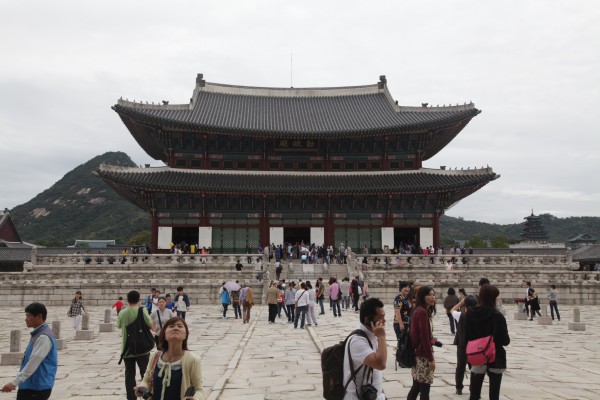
(310, 112)
(293, 182)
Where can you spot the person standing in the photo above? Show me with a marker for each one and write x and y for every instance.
(127, 316)
(301, 304)
(40, 361)
(553, 296)
(345, 288)
(368, 351)
(235, 303)
(278, 269)
(422, 339)
(528, 286)
(402, 310)
(460, 340)
(534, 304)
(450, 301)
(311, 315)
(182, 302)
(272, 295)
(290, 301)
(76, 309)
(481, 321)
(320, 294)
(336, 296)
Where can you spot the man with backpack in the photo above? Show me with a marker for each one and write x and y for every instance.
(128, 316)
(353, 368)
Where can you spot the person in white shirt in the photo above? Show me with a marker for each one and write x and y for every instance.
(311, 315)
(368, 354)
(302, 301)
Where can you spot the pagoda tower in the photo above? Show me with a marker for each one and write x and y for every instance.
(533, 231)
(249, 166)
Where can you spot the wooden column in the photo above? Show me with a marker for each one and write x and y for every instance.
(329, 227)
(264, 225)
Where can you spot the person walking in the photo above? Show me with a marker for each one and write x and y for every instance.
(225, 299)
(345, 289)
(320, 295)
(272, 295)
(182, 302)
(127, 316)
(160, 316)
(37, 374)
(76, 309)
(247, 299)
(553, 296)
(422, 340)
(481, 321)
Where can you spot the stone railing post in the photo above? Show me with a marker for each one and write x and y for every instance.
(576, 325)
(14, 356)
(60, 342)
(85, 333)
(107, 326)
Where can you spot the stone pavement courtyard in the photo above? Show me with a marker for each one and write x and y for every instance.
(263, 361)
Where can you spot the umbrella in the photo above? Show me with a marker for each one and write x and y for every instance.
(232, 286)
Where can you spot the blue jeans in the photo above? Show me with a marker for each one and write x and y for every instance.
(300, 310)
(336, 306)
(554, 307)
(320, 301)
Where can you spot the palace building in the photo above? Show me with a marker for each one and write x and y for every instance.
(250, 166)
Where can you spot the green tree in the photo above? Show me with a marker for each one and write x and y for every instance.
(499, 242)
(140, 238)
(476, 242)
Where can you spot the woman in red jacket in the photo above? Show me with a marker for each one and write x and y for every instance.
(422, 340)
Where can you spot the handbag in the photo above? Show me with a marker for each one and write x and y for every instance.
(481, 351)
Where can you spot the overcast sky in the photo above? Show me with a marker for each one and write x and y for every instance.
(532, 67)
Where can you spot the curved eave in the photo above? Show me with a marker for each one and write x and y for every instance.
(293, 183)
(140, 117)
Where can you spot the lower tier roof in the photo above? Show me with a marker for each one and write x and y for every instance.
(294, 182)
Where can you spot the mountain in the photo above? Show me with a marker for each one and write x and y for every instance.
(80, 206)
(559, 229)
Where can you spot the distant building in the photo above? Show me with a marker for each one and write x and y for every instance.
(250, 166)
(8, 231)
(94, 244)
(581, 240)
(534, 235)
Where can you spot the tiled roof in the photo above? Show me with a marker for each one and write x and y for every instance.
(279, 182)
(587, 253)
(310, 112)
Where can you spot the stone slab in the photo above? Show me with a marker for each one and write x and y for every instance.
(576, 326)
(519, 316)
(11, 358)
(544, 321)
(60, 344)
(107, 327)
(84, 335)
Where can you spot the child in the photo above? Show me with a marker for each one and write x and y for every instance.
(170, 303)
(118, 305)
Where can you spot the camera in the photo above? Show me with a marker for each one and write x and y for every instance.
(190, 392)
(368, 392)
(438, 343)
(145, 393)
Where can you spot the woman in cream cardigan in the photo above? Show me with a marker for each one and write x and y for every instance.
(173, 369)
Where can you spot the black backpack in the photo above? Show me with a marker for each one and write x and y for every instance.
(139, 338)
(332, 367)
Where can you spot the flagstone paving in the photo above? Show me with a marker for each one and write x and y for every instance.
(276, 361)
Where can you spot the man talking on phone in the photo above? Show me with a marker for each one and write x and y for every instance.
(368, 353)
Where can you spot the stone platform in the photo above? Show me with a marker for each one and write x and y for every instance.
(263, 361)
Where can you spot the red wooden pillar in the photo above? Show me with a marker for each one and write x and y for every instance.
(329, 237)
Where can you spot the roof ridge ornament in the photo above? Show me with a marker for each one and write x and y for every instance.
(382, 82)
